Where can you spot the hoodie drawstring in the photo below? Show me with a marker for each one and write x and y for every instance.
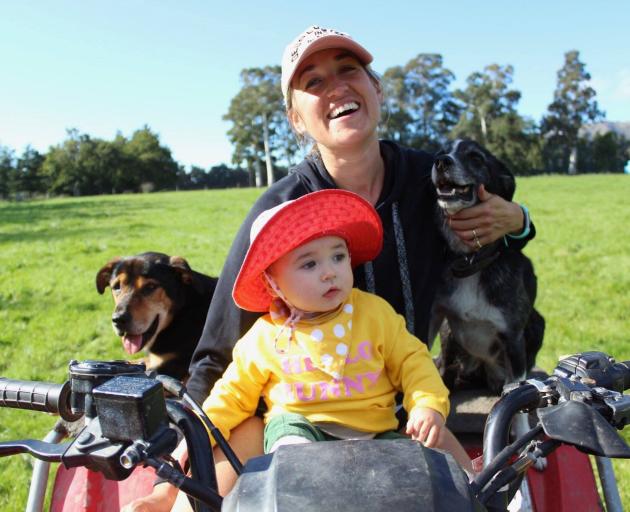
(403, 267)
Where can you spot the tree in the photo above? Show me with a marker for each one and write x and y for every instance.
(489, 116)
(81, 165)
(260, 129)
(222, 176)
(603, 152)
(7, 171)
(420, 110)
(573, 105)
(61, 165)
(150, 162)
(486, 98)
(29, 176)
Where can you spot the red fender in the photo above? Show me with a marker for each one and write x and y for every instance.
(82, 490)
(567, 483)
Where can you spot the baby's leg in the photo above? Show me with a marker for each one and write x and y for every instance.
(290, 429)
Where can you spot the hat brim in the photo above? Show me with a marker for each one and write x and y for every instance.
(329, 212)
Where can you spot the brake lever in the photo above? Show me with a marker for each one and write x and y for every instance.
(96, 452)
(41, 450)
(618, 406)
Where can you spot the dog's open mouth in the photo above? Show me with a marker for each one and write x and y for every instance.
(450, 192)
(134, 342)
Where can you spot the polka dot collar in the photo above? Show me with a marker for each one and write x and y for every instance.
(326, 339)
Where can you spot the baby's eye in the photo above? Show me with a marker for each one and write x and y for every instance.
(308, 265)
(340, 257)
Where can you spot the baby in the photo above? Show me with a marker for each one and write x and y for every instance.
(327, 358)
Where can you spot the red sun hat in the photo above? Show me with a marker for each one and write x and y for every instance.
(279, 230)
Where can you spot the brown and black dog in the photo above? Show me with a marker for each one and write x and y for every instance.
(160, 306)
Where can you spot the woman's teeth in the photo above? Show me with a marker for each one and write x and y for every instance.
(344, 109)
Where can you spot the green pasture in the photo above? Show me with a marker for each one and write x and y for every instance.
(50, 251)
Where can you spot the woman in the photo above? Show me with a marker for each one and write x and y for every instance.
(333, 99)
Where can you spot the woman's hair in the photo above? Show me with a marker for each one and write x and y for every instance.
(304, 139)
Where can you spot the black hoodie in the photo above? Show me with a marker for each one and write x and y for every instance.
(407, 193)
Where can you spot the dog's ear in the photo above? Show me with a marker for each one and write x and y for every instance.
(104, 275)
(509, 185)
(202, 284)
(502, 179)
(182, 267)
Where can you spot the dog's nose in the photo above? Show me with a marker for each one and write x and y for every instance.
(443, 162)
(121, 318)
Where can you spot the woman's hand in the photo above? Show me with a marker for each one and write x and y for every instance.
(425, 425)
(487, 221)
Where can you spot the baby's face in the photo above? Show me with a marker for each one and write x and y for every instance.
(317, 276)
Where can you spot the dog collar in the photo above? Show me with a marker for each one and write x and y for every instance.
(469, 264)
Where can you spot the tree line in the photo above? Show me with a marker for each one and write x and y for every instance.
(420, 109)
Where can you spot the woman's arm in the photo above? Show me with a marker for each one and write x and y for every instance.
(225, 323)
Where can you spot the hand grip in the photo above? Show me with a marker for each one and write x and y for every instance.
(37, 396)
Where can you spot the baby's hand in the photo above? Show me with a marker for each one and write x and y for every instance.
(425, 425)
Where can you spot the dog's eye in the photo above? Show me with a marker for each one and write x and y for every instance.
(116, 287)
(149, 288)
(476, 158)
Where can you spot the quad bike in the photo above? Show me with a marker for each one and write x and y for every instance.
(130, 429)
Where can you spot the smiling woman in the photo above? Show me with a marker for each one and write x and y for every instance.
(333, 98)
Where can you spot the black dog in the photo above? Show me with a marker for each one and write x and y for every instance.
(492, 331)
(160, 306)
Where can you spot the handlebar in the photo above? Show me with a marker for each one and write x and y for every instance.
(37, 396)
(588, 386)
(131, 422)
(596, 368)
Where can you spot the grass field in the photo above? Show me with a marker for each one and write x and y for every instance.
(50, 251)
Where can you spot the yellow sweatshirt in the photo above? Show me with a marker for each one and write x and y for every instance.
(344, 367)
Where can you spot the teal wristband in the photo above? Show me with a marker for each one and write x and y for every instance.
(526, 229)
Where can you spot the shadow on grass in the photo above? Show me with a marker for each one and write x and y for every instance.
(33, 212)
(35, 218)
(49, 234)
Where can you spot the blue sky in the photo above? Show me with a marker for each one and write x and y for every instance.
(105, 67)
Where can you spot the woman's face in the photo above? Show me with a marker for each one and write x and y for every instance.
(334, 100)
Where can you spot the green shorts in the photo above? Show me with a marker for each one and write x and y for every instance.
(291, 424)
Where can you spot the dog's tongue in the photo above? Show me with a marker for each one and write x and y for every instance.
(132, 343)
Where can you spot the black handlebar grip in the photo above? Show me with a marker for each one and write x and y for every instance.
(37, 396)
(615, 377)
